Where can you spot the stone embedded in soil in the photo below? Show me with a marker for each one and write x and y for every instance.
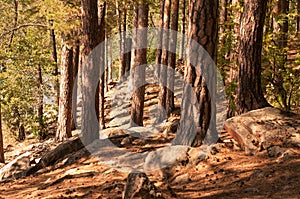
(260, 129)
(139, 186)
(16, 168)
(164, 161)
(182, 179)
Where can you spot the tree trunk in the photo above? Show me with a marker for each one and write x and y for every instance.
(183, 22)
(54, 59)
(298, 17)
(42, 134)
(102, 12)
(198, 113)
(164, 62)
(236, 14)
(122, 17)
(281, 28)
(159, 38)
(249, 93)
(76, 55)
(172, 57)
(139, 60)
(90, 71)
(2, 160)
(64, 129)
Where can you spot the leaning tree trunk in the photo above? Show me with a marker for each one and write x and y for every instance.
(64, 129)
(139, 60)
(249, 94)
(198, 113)
(172, 58)
(2, 160)
(90, 71)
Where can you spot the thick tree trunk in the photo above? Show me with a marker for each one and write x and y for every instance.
(198, 113)
(249, 94)
(164, 61)
(64, 129)
(2, 160)
(42, 134)
(172, 57)
(139, 60)
(183, 23)
(90, 71)
(76, 55)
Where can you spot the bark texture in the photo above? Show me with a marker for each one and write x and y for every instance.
(64, 129)
(198, 105)
(139, 61)
(250, 95)
(90, 71)
(172, 57)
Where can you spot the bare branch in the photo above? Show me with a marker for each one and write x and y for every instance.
(22, 26)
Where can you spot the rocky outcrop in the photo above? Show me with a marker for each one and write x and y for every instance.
(264, 129)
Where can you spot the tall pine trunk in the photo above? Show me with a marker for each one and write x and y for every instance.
(54, 59)
(198, 112)
(249, 94)
(172, 57)
(2, 160)
(76, 55)
(41, 131)
(64, 129)
(139, 60)
(183, 24)
(101, 14)
(164, 61)
(160, 37)
(90, 71)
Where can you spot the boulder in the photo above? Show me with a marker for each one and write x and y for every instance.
(164, 162)
(264, 128)
(16, 168)
(139, 186)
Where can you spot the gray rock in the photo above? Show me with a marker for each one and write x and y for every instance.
(263, 128)
(182, 179)
(16, 168)
(164, 161)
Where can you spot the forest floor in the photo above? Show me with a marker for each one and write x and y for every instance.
(227, 173)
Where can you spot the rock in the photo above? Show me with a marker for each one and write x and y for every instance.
(139, 186)
(126, 141)
(164, 161)
(286, 155)
(251, 190)
(260, 129)
(182, 179)
(16, 168)
(275, 151)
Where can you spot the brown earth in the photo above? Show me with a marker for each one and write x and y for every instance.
(227, 173)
